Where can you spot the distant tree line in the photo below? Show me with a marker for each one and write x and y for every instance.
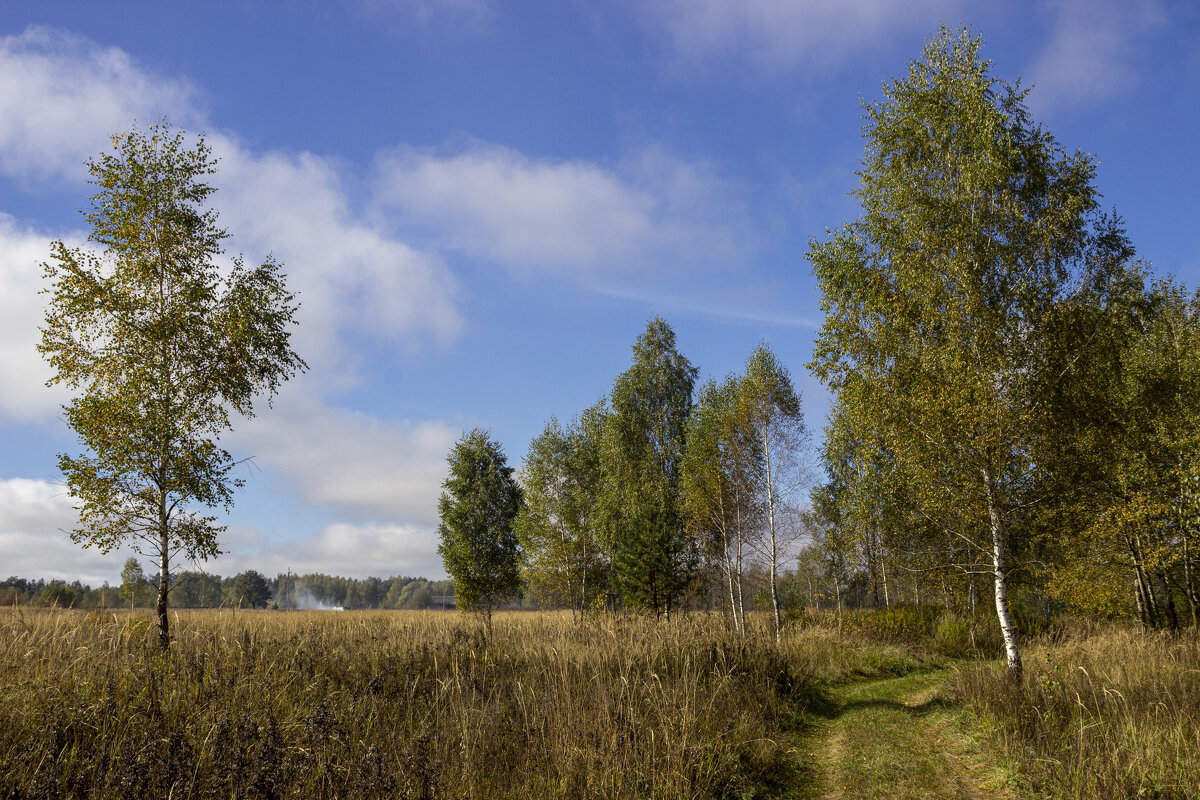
(249, 589)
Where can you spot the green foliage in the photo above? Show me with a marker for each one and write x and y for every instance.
(720, 471)
(249, 589)
(643, 449)
(193, 589)
(774, 419)
(977, 224)
(558, 527)
(161, 348)
(478, 508)
(135, 588)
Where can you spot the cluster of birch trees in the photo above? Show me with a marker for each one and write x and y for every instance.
(1016, 398)
(642, 497)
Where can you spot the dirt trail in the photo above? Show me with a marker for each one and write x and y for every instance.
(900, 738)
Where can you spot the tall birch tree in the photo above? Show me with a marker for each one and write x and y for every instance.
(717, 483)
(775, 422)
(975, 224)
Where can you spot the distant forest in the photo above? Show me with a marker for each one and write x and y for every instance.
(316, 591)
(248, 589)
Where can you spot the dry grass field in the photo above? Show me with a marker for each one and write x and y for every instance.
(422, 705)
(395, 704)
(1104, 711)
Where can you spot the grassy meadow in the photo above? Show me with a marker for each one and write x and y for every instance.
(423, 705)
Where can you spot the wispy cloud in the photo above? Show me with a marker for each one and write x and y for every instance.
(356, 282)
(784, 34)
(574, 218)
(36, 517)
(342, 548)
(23, 393)
(1093, 51)
(364, 467)
(352, 277)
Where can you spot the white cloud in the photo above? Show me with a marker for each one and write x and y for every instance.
(23, 393)
(1093, 50)
(355, 282)
(350, 276)
(362, 466)
(35, 520)
(572, 217)
(353, 551)
(786, 33)
(36, 517)
(63, 96)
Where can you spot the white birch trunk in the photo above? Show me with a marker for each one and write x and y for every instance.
(1000, 572)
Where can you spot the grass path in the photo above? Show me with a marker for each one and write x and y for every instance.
(899, 738)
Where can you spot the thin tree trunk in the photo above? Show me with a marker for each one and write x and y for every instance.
(774, 544)
(1169, 605)
(1189, 579)
(729, 581)
(741, 596)
(837, 590)
(1000, 571)
(887, 603)
(1141, 605)
(164, 585)
(1148, 597)
(872, 563)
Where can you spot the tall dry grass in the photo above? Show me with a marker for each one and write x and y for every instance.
(401, 704)
(1103, 711)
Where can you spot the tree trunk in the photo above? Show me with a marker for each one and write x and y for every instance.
(887, 602)
(741, 597)
(1000, 572)
(1149, 600)
(872, 564)
(837, 590)
(1189, 579)
(164, 585)
(1169, 605)
(1141, 605)
(774, 544)
(729, 580)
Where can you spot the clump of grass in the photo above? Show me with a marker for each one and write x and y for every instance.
(928, 631)
(399, 704)
(1102, 711)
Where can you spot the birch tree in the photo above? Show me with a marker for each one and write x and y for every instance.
(775, 422)
(558, 527)
(163, 349)
(717, 484)
(976, 222)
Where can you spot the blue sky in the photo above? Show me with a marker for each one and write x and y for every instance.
(482, 202)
